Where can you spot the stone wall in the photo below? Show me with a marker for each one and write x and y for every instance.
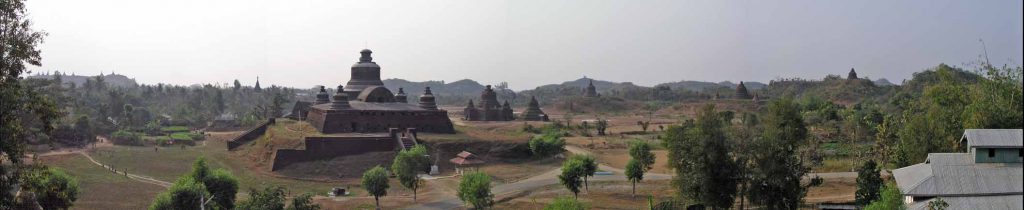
(250, 135)
(323, 148)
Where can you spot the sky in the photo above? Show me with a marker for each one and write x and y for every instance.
(526, 43)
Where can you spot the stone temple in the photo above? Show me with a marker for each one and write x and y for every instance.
(364, 105)
(489, 109)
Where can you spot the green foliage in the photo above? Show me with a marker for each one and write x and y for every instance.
(869, 182)
(573, 171)
(890, 199)
(53, 188)
(268, 198)
(375, 181)
(949, 100)
(406, 165)
(563, 203)
(776, 168)
(217, 183)
(200, 170)
(937, 204)
(184, 194)
(641, 151)
(548, 144)
(223, 186)
(475, 189)
(304, 202)
(705, 171)
(634, 172)
(589, 167)
(183, 136)
(124, 137)
(174, 129)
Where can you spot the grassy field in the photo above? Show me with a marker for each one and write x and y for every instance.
(104, 190)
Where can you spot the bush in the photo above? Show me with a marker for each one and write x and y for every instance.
(547, 144)
(197, 136)
(181, 136)
(123, 137)
(162, 140)
(174, 129)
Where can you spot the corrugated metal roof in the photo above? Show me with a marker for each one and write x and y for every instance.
(994, 138)
(1001, 202)
(954, 174)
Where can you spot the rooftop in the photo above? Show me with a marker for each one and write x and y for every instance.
(374, 106)
(983, 202)
(994, 138)
(956, 174)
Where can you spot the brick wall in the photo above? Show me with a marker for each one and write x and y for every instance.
(324, 148)
(250, 135)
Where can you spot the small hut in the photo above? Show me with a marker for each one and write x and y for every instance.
(465, 160)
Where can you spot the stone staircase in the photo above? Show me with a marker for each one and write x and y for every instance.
(406, 139)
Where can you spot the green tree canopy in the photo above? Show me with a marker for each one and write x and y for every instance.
(53, 188)
(475, 189)
(375, 181)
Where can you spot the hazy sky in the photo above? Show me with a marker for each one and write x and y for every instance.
(526, 43)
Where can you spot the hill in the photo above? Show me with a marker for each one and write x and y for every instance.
(112, 80)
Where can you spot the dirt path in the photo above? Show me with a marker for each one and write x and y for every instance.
(103, 142)
(550, 177)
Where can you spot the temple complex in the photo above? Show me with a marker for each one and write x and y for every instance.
(364, 105)
(489, 108)
(591, 91)
(533, 112)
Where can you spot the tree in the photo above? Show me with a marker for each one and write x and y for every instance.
(128, 108)
(572, 175)
(563, 203)
(602, 125)
(269, 198)
(475, 189)
(277, 104)
(375, 181)
(185, 194)
(634, 172)
(218, 100)
(869, 183)
(705, 171)
(890, 199)
(643, 124)
(304, 202)
(223, 186)
(18, 105)
(406, 165)
(589, 168)
(53, 188)
(238, 85)
(84, 129)
(586, 128)
(641, 151)
(777, 170)
(199, 169)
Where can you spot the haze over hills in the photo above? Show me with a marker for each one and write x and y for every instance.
(112, 79)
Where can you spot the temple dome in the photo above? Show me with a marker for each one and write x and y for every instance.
(376, 94)
(365, 73)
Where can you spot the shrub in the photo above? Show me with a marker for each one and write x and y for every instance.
(565, 203)
(546, 145)
(123, 137)
(162, 140)
(174, 129)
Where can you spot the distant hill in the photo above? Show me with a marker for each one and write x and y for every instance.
(461, 87)
(112, 80)
(883, 82)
